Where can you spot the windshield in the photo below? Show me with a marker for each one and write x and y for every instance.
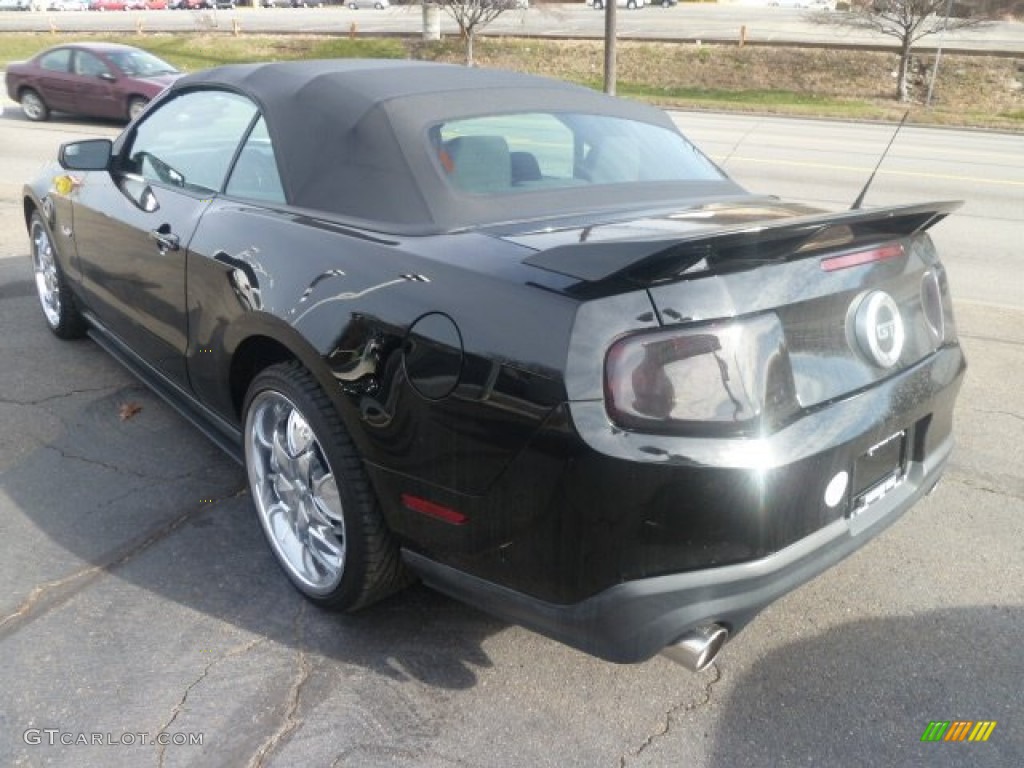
(141, 64)
(514, 153)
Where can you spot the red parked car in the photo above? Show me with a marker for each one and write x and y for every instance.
(108, 5)
(96, 79)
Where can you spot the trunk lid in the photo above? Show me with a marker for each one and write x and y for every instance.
(858, 295)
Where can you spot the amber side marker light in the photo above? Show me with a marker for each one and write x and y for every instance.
(847, 260)
(430, 509)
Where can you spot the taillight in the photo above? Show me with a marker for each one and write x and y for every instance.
(936, 301)
(931, 305)
(732, 377)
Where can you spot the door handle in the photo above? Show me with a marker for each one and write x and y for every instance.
(165, 239)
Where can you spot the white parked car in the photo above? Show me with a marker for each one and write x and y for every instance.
(815, 5)
(630, 4)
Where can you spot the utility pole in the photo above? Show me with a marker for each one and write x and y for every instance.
(609, 46)
(938, 56)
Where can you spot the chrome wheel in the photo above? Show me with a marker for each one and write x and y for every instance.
(44, 265)
(58, 304)
(314, 500)
(295, 493)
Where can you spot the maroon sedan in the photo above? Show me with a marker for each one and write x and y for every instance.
(96, 79)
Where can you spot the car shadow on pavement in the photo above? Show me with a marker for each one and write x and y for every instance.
(100, 479)
(865, 692)
(191, 537)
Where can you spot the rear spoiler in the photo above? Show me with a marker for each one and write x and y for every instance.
(649, 261)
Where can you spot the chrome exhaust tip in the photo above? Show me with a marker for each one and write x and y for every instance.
(697, 648)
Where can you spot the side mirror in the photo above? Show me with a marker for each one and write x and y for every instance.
(90, 155)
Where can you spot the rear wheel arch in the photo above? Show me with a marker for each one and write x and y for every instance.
(253, 355)
(266, 343)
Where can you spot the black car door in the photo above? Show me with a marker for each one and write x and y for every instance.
(133, 225)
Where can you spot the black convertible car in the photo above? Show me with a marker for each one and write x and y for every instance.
(510, 336)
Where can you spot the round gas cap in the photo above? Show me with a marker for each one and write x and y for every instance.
(433, 356)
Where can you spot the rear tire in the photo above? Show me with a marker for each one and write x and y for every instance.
(33, 106)
(55, 298)
(312, 495)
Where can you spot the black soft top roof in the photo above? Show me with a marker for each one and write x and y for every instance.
(351, 136)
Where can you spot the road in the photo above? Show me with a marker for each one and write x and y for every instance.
(827, 163)
(140, 598)
(692, 21)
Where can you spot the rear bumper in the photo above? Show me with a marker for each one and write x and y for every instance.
(634, 620)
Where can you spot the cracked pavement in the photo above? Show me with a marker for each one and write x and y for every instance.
(139, 598)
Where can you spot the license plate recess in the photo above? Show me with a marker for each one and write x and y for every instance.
(878, 470)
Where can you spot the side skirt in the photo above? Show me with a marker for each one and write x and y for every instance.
(222, 433)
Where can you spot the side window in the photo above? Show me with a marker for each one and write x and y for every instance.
(56, 61)
(255, 176)
(89, 65)
(188, 142)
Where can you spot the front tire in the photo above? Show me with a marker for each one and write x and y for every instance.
(312, 496)
(135, 106)
(55, 299)
(33, 106)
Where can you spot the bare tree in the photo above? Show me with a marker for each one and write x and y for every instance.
(474, 15)
(906, 20)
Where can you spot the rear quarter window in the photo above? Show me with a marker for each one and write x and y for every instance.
(56, 61)
(517, 153)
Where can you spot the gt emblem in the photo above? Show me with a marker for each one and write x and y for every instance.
(878, 328)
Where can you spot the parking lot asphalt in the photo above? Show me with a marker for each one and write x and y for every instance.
(140, 605)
